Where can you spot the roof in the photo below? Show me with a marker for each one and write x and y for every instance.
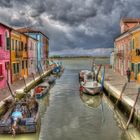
(5, 26)
(129, 31)
(130, 20)
(30, 30)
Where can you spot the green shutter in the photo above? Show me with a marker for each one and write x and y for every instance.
(8, 43)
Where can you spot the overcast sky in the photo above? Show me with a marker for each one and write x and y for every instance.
(75, 27)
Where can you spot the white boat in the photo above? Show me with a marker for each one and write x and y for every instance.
(88, 84)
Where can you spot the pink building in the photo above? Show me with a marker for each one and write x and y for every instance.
(32, 54)
(4, 55)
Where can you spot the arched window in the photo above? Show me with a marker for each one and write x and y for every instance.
(7, 41)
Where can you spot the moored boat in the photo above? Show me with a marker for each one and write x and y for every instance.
(41, 90)
(88, 82)
(50, 79)
(21, 117)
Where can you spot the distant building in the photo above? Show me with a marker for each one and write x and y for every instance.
(5, 73)
(42, 46)
(127, 47)
(112, 59)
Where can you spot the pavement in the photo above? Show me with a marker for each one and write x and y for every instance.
(116, 82)
(19, 84)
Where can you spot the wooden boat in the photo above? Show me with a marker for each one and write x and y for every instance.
(50, 79)
(41, 90)
(28, 122)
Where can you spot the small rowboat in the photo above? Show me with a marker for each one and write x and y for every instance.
(50, 79)
(41, 90)
(25, 114)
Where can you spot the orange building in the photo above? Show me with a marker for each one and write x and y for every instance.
(15, 55)
(24, 58)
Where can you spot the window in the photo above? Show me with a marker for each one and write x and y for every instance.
(22, 64)
(14, 68)
(17, 67)
(26, 64)
(21, 46)
(0, 40)
(7, 40)
(1, 72)
(138, 67)
(25, 48)
(13, 44)
(7, 65)
(132, 67)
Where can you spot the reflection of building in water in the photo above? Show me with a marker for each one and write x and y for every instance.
(132, 133)
(91, 101)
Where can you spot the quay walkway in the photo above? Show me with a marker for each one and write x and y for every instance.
(19, 86)
(114, 84)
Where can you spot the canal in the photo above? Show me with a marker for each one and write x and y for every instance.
(68, 115)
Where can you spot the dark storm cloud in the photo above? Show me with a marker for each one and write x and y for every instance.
(5, 3)
(71, 24)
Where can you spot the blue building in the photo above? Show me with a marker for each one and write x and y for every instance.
(42, 46)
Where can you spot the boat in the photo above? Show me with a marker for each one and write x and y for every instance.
(41, 90)
(50, 80)
(58, 68)
(90, 87)
(21, 117)
(88, 82)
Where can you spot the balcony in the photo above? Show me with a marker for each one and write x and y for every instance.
(18, 54)
(120, 53)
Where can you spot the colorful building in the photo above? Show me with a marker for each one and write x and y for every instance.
(16, 55)
(32, 53)
(24, 55)
(42, 46)
(127, 47)
(5, 72)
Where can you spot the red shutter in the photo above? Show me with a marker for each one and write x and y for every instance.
(0, 40)
(0, 69)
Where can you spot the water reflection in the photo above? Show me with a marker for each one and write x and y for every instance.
(91, 101)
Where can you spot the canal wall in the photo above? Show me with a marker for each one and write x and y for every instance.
(113, 86)
(20, 89)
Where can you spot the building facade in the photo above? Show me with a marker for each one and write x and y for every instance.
(32, 53)
(16, 55)
(24, 55)
(42, 46)
(127, 48)
(5, 72)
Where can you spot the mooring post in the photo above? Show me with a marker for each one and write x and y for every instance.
(133, 109)
(33, 76)
(25, 83)
(42, 69)
(10, 89)
(123, 89)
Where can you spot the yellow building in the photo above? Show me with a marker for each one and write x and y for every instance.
(15, 55)
(24, 52)
(135, 50)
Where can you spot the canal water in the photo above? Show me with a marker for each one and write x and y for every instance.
(66, 114)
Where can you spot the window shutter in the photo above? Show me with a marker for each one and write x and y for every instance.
(0, 69)
(0, 40)
(8, 43)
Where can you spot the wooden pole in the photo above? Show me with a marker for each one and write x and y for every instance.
(33, 76)
(25, 83)
(98, 72)
(133, 109)
(10, 89)
(123, 89)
